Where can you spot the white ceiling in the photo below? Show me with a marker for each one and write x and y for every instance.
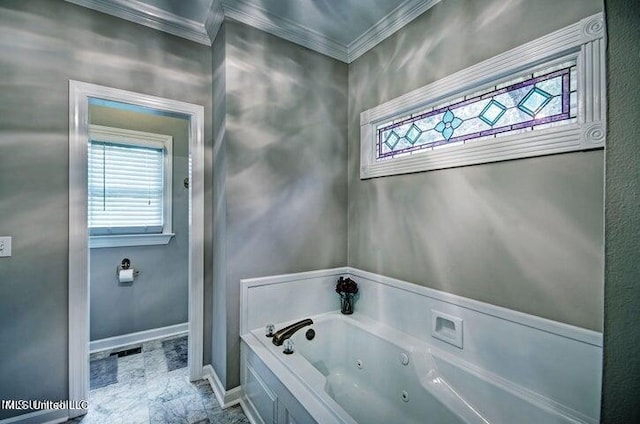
(343, 29)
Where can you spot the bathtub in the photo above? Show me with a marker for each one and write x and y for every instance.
(357, 370)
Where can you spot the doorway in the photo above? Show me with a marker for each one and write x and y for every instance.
(81, 95)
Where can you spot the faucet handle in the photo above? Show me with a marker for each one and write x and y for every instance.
(270, 328)
(288, 347)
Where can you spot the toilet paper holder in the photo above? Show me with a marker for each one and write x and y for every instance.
(126, 265)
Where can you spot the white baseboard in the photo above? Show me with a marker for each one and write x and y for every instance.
(226, 398)
(139, 337)
(48, 416)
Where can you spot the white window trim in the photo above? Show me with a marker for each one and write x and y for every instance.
(139, 138)
(583, 40)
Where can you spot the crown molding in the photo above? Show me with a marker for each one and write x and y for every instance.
(261, 19)
(214, 20)
(142, 13)
(150, 16)
(387, 26)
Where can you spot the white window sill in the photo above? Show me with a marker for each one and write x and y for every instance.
(129, 240)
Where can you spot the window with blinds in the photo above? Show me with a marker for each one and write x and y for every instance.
(125, 189)
(127, 182)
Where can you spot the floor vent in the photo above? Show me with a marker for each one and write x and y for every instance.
(127, 352)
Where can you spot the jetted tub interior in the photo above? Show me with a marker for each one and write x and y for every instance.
(369, 373)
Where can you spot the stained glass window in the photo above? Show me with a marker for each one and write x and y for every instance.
(536, 100)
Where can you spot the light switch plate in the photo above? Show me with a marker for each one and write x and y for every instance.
(5, 246)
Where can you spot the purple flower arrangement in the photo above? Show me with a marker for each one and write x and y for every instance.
(346, 288)
(346, 285)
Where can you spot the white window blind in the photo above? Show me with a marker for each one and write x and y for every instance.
(126, 188)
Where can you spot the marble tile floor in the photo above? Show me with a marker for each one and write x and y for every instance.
(152, 387)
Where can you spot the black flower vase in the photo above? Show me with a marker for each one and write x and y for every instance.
(346, 303)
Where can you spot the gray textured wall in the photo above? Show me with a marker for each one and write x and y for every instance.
(524, 234)
(282, 198)
(621, 383)
(286, 154)
(159, 295)
(219, 288)
(43, 44)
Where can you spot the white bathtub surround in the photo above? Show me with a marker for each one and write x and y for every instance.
(510, 363)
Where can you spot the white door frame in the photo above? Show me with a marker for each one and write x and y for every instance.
(79, 95)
